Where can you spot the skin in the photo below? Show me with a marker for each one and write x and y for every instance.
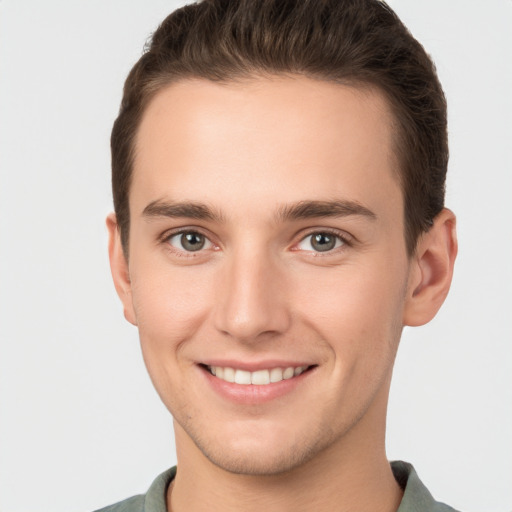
(260, 291)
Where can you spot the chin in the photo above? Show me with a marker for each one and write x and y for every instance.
(255, 464)
(260, 457)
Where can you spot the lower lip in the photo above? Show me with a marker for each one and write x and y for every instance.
(251, 394)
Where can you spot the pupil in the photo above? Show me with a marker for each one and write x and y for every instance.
(192, 241)
(323, 242)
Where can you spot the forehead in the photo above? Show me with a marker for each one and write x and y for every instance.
(294, 137)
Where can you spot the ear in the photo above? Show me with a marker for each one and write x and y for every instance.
(119, 268)
(431, 270)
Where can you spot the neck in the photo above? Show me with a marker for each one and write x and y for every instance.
(353, 473)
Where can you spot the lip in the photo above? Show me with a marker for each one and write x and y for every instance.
(250, 394)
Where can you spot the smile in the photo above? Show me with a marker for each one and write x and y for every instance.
(258, 378)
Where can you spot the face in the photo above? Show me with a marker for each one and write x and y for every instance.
(267, 268)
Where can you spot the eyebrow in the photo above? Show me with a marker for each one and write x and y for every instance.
(290, 212)
(190, 210)
(316, 209)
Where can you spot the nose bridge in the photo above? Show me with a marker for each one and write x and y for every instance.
(251, 298)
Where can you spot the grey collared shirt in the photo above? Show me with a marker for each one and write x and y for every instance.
(416, 496)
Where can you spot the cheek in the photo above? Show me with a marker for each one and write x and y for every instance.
(357, 307)
(170, 304)
(170, 307)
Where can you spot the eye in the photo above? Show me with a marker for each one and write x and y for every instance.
(321, 241)
(189, 241)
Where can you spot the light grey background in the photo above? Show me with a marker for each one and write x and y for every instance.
(80, 425)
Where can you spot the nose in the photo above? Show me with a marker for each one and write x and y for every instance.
(251, 302)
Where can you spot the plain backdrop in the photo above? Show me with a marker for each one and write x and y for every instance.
(80, 425)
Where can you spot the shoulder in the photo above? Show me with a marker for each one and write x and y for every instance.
(416, 496)
(133, 504)
(152, 501)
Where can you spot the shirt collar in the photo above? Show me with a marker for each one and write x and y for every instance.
(416, 496)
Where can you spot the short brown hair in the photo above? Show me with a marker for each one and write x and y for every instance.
(354, 42)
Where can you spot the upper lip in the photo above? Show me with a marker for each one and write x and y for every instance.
(252, 366)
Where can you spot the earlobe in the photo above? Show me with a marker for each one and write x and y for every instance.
(431, 270)
(119, 268)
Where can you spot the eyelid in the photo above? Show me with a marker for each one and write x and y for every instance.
(208, 242)
(170, 233)
(346, 239)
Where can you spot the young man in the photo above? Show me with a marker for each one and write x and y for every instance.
(278, 179)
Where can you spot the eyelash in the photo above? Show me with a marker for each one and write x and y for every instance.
(182, 253)
(344, 238)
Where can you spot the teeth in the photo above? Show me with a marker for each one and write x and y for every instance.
(242, 377)
(229, 374)
(276, 374)
(288, 373)
(257, 378)
(260, 377)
